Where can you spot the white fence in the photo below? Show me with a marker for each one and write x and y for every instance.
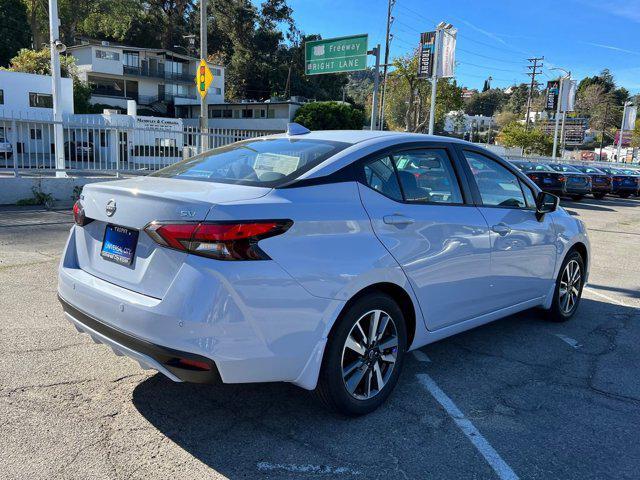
(105, 144)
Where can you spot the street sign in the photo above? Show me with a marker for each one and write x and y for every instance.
(553, 92)
(332, 55)
(204, 77)
(427, 49)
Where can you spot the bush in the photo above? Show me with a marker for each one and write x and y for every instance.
(330, 116)
(532, 141)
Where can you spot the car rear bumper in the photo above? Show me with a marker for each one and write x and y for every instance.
(250, 320)
(147, 354)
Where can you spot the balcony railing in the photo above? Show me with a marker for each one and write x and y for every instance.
(167, 97)
(158, 73)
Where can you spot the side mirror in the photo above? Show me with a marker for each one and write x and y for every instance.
(546, 203)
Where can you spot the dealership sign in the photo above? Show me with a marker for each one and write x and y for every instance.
(427, 49)
(333, 55)
(553, 92)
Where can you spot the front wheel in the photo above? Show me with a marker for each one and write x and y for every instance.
(568, 289)
(364, 356)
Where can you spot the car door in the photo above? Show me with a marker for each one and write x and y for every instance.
(419, 212)
(523, 246)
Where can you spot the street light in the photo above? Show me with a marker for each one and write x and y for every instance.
(555, 130)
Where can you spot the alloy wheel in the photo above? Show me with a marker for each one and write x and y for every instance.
(570, 284)
(369, 354)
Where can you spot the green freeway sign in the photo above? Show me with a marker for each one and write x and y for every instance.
(343, 54)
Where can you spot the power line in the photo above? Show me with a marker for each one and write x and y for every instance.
(534, 69)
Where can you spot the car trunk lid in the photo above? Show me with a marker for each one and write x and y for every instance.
(133, 204)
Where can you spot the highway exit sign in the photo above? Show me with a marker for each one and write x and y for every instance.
(204, 77)
(332, 55)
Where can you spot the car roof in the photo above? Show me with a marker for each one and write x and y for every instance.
(356, 136)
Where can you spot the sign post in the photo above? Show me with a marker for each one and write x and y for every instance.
(628, 119)
(437, 60)
(376, 86)
(204, 113)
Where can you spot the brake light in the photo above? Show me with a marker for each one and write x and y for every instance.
(219, 240)
(617, 179)
(78, 215)
(562, 178)
(533, 177)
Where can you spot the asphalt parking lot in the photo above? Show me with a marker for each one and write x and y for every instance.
(517, 398)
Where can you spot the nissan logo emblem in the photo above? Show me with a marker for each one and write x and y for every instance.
(111, 207)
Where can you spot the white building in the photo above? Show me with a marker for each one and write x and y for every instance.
(161, 81)
(29, 95)
(461, 123)
(272, 115)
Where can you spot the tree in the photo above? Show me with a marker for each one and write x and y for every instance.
(485, 103)
(14, 35)
(330, 116)
(39, 62)
(532, 141)
(517, 102)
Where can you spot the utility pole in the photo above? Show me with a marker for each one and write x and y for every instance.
(562, 134)
(203, 98)
(388, 39)
(376, 86)
(534, 70)
(604, 125)
(56, 46)
(624, 114)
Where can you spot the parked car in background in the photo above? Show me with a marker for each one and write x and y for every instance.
(636, 175)
(601, 183)
(79, 151)
(622, 184)
(545, 177)
(316, 258)
(577, 184)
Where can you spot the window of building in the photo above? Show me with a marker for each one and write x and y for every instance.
(1, 97)
(40, 100)
(3, 137)
(132, 59)
(247, 113)
(165, 142)
(271, 113)
(215, 113)
(236, 114)
(35, 134)
(104, 139)
(216, 90)
(107, 55)
(227, 113)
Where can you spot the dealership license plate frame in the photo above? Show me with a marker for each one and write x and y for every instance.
(111, 254)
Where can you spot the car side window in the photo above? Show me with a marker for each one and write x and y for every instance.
(497, 185)
(381, 176)
(529, 195)
(427, 176)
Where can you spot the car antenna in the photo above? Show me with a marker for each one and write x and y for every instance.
(296, 129)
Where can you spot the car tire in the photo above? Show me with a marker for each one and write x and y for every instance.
(577, 198)
(347, 377)
(564, 306)
(600, 195)
(625, 195)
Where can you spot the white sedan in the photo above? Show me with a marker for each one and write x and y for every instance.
(316, 258)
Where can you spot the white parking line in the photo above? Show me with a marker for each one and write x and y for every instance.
(606, 297)
(568, 340)
(315, 469)
(492, 457)
(421, 356)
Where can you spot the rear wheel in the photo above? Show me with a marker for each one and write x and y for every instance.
(568, 288)
(577, 197)
(625, 195)
(363, 357)
(599, 195)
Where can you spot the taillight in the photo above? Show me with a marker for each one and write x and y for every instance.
(617, 179)
(219, 240)
(78, 215)
(533, 177)
(562, 178)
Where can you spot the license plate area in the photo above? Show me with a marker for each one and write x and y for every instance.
(119, 244)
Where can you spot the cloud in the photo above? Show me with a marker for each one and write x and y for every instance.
(628, 9)
(612, 47)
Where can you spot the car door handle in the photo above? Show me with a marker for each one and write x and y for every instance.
(397, 219)
(501, 229)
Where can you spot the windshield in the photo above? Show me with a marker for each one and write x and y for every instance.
(540, 168)
(258, 162)
(564, 168)
(589, 170)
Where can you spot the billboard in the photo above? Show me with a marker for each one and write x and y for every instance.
(569, 88)
(630, 114)
(553, 90)
(342, 54)
(425, 59)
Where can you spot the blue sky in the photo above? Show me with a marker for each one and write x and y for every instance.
(495, 37)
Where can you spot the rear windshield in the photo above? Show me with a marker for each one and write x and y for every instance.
(265, 162)
(564, 168)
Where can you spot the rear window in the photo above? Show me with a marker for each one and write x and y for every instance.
(265, 163)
